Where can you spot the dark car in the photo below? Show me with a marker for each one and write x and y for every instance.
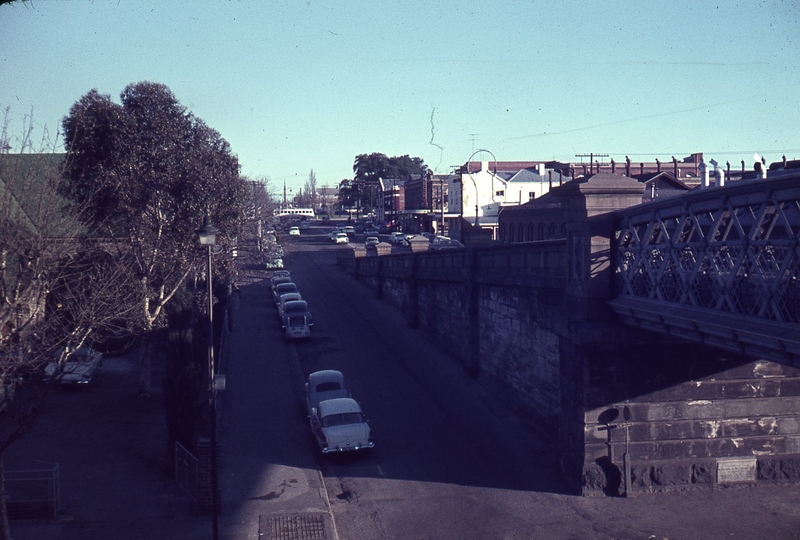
(281, 289)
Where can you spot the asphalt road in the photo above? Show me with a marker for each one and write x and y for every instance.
(453, 460)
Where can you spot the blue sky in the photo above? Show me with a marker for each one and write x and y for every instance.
(301, 85)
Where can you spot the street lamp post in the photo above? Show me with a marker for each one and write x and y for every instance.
(475, 183)
(208, 234)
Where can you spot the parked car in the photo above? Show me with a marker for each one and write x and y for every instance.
(324, 385)
(305, 225)
(288, 297)
(371, 241)
(278, 274)
(281, 289)
(79, 367)
(294, 231)
(349, 229)
(429, 235)
(339, 425)
(371, 231)
(297, 327)
(342, 238)
(280, 279)
(296, 307)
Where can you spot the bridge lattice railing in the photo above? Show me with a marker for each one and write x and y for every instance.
(733, 249)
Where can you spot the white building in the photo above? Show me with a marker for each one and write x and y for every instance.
(493, 186)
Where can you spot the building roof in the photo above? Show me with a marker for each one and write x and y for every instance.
(24, 179)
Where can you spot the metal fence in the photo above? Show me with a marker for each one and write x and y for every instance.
(186, 470)
(33, 493)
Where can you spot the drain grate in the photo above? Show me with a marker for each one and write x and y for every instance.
(292, 527)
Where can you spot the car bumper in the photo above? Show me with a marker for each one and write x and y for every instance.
(347, 448)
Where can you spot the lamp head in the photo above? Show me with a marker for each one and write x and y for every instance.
(207, 233)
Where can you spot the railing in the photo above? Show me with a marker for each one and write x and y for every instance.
(186, 470)
(726, 252)
(731, 249)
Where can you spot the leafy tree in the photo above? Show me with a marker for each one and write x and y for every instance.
(369, 168)
(147, 171)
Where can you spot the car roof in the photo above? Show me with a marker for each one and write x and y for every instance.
(325, 375)
(285, 286)
(338, 406)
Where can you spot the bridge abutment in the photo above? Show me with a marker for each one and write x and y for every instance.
(535, 318)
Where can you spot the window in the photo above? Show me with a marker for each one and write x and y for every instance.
(511, 233)
(552, 232)
(540, 232)
(503, 232)
(529, 238)
(531, 195)
(500, 193)
(521, 233)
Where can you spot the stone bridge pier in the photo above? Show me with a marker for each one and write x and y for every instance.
(633, 411)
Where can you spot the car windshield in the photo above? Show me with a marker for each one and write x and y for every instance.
(343, 419)
(328, 386)
(297, 321)
(291, 307)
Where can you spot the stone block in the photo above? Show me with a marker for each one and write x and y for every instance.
(672, 474)
(703, 472)
(790, 468)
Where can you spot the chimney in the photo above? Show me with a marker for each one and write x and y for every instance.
(627, 166)
(613, 166)
(658, 165)
(704, 174)
(675, 167)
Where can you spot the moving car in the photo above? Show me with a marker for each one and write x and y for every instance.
(297, 327)
(349, 229)
(371, 241)
(442, 243)
(371, 231)
(397, 238)
(342, 238)
(78, 368)
(294, 231)
(339, 425)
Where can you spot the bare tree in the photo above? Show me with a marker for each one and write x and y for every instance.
(57, 292)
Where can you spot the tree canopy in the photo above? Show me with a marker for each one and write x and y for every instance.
(369, 168)
(145, 172)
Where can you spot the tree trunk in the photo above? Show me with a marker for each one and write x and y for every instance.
(144, 364)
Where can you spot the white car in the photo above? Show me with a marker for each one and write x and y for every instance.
(297, 327)
(324, 385)
(294, 231)
(371, 241)
(78, 368)
(397, 238)
(339, 425)
(342, 238)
